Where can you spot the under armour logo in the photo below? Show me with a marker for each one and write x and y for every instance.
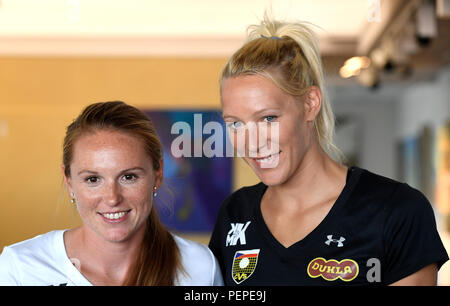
(339, 242)
(237, 233)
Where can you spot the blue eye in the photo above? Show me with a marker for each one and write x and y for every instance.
(235, 125)
(270, 118)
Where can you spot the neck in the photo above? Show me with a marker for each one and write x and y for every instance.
(109, 258)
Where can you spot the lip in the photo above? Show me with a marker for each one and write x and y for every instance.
(262, 157)
(115, 221)
(263, 163)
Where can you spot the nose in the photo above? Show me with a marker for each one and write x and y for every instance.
(247, 140)
(112, 194)
(257, 139)
(252, 141)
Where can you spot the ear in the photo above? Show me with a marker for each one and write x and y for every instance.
(312, 103)
(67, 180)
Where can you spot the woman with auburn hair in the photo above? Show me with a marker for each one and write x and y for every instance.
(113, 168)
(311, 220)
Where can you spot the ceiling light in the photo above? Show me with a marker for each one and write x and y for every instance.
(354, 65)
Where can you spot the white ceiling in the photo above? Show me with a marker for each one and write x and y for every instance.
(169, 27)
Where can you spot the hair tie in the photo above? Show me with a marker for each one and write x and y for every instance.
(271, 37)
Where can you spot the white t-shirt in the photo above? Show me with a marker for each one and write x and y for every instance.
(43, 261)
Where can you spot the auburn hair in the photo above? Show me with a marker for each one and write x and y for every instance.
(159, 258)
(287, 53)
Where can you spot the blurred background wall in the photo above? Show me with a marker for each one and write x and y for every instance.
(41, 96)
(386, 63)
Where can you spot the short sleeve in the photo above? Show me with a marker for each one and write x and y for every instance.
(8, 273)
(411, 239)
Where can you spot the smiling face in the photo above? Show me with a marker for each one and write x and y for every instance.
(254, 99)
(112, 179)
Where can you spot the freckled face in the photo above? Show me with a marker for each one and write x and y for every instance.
(112, 179)
(255, 99)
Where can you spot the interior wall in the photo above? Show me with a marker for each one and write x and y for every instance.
(374, 114)
(424, 103)
(39, 97)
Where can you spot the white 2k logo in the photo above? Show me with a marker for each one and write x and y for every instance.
(237, 232)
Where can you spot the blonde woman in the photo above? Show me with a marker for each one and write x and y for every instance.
(311, 220)
(113, 168)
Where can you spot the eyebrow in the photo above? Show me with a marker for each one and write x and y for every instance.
(123, 171)
(226, 116)
(229, 117)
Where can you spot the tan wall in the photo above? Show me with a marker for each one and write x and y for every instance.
(39, 97)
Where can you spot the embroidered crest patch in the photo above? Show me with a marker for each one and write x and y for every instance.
(244, 264)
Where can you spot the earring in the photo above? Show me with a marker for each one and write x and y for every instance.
(72, 200)
(154, 191)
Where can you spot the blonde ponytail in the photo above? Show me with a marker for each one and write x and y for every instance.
(288, 54)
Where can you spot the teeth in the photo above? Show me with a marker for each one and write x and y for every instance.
(115, 215)
(270, 161)
(266, 158)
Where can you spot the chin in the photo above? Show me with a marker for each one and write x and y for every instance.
(270, 177)
(116, 235)
(271, 180)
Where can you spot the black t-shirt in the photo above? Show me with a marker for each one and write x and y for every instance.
(377, 232)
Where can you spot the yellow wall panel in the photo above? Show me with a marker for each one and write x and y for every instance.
(39, 97)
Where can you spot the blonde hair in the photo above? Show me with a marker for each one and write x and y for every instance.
(287, 53)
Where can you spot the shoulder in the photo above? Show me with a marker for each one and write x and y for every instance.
(372, 183)
(401, 194)
(382, 200)
(39, 246)
(377, 190)
(26, 255)
(409, 203)
(192, 249)
(397, 199)
(199, 264)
